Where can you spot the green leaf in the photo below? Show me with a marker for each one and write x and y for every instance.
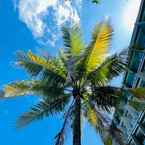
(31, 67)
(48, 64)
(138, 92)
(108, 141)
(137, 105)
(42, 109)
(94, 118)
(72, 40)
(20, 88)
(97, 50)
(112, 67)
(105, 97)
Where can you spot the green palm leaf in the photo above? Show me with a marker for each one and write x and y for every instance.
(72, 40)
(138, 92)
(32, 68)
(116, 134)
(110, 68)
(94, 118)
(137, 104)
(44, 88)
(97, 50)
(20, 88)
(108, 140)
(47, 64)
(77, 73)
(42, 109)
(105, 97)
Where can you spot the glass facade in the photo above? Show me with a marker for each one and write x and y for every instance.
(143, 67)
(141, 39)
(132, 122)
(136, 59)
(130, 79)
(142, 83)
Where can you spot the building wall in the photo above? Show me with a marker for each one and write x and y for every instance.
(129, 120)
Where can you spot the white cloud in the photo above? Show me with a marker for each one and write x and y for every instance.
(36, 14)
(130, 13)
(65, 12)
(32, 12)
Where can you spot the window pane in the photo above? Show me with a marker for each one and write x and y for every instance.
(136, 59)
(130, 79)
(142, 83)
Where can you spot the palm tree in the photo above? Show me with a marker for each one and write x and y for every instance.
(75, 82)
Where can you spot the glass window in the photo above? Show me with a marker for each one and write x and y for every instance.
(142, 83)
(141, 39)
(135, 61)
(129, 80)
(143, 67)
(138, 81)
(142, 26)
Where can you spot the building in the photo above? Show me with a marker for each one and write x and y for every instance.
(130, 120)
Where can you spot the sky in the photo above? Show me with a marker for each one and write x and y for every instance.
(35, 25)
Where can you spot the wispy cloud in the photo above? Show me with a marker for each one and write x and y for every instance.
(38, 15)
(129, 14)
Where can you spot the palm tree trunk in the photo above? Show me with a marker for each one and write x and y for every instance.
(77, 122)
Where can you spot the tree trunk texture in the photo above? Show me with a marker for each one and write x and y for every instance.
(77, 122)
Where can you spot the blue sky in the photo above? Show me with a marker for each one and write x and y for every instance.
(25, 25)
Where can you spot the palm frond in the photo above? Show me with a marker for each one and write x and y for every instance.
(108, 140)
(32, 68)
(110, 68)
(138, 105)
(43, 88)
(105, 97)
(94, 117)
(137, 92)
(42, 109)
(97, 50)
(72, 40)
(48, 64)
(48, 90)
(116, 134)
(19, 88)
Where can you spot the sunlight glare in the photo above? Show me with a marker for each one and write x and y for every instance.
(130, 12)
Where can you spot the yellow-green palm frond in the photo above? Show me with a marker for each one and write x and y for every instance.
(44, 88)
(138, 92)
(23, 61)
(73, 40)
(91, 114)
(108, 140)
(112, 67)
(98, 48)
(92, 117)
(18, 88)
(52, 65)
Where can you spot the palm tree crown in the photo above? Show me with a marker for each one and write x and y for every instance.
(75, 82)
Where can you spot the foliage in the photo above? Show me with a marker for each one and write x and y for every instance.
(79, 73)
